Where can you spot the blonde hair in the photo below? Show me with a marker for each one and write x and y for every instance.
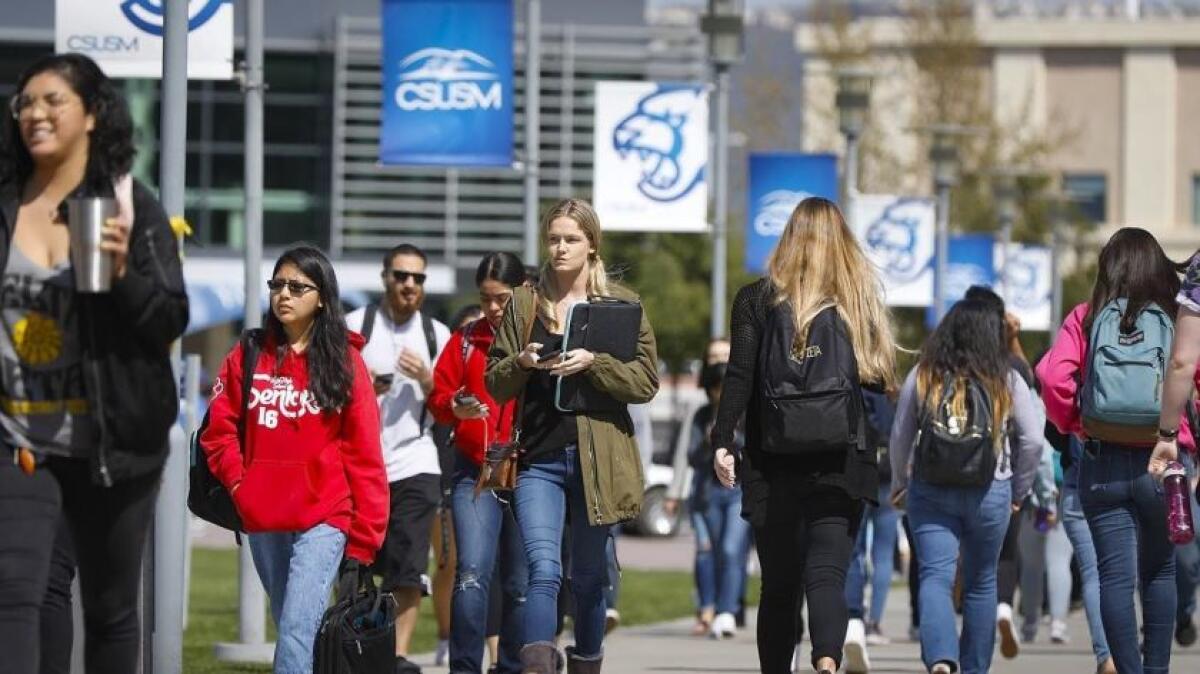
(582, 213)
(817, 264)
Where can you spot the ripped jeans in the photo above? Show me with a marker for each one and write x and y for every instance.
(489, 547)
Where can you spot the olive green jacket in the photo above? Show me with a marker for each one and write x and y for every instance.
(608, 454)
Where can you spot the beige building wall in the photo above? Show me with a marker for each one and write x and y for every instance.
(1187, 135)
(1019, 89)
(1148, 138)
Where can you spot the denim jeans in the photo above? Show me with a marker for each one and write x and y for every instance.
(947, 522)
(548, 489)
(705, 566)
(883, 519)
(730, 539)
(1080, 536)
(487, 537)
(297, 569)
(1127, 514)
(1187, 558)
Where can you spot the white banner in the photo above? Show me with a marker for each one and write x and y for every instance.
(651, 156)
(897, 234)
(1024, 281)
(125, 36)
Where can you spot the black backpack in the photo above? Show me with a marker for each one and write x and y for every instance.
(811, 398)
(208, 499)
(357, 634)
(953, 450)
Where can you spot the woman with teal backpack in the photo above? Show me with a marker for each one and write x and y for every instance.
(1133, 298)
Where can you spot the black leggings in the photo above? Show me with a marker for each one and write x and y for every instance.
(50, 523)
(804, 546)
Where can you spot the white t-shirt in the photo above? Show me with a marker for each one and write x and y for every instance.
(408, 449)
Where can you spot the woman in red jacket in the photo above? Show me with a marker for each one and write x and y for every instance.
(484, 527)
(308, 478)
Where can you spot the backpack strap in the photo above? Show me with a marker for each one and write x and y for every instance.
(251, 346)
(431, 344)
(368, 325)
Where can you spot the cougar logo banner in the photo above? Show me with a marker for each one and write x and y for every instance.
(779, 181)
(1026, 284)
(651, 156)
(447, 83)
(125, 36)
(897, 234)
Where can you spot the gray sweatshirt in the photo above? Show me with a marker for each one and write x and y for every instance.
(1019, 459)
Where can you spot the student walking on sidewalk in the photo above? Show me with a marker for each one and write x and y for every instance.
(962, 480)
(1133, 305)
(582, 467)
(307, 476)
(819, 311)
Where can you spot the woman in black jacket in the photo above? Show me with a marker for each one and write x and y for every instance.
(86, 389)
(805, 508)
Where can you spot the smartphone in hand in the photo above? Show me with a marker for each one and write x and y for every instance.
(464, 399)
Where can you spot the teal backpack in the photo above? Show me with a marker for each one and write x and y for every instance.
(1122, 393)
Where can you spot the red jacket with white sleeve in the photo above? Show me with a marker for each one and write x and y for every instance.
(300, 466)
(455, 371)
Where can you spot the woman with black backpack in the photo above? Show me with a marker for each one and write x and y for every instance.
(959, 478)
(805, 339)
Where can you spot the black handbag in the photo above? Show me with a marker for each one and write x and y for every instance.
(207, 498)
(358, 633)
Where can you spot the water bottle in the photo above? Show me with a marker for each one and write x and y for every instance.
(1180, 528)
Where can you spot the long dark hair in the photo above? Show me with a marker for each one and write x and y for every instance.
(503, 267)
(329, 372)
(967, 344)
(110, 149)
(1133, 266)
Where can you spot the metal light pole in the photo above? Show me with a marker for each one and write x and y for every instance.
(1004, 193)
(252, 619)
(1058, 221)
(943, 155)
(853, 101)
(533, 78)
(723, 25)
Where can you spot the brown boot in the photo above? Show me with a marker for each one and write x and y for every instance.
(581, 665)
(540, 657)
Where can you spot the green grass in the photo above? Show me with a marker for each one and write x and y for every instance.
(646, 597)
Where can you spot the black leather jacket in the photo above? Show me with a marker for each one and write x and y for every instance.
(127, 341)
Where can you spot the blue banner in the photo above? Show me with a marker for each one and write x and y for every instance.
(779, 181)
(971, 263)
(447, 83)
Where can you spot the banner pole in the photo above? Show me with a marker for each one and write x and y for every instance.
(721, 201)
(533, 48)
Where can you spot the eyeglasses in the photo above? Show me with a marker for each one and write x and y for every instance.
(402, 277)
(52, 103)
(294, 288)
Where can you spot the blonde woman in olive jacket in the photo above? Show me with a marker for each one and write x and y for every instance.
(587, 462)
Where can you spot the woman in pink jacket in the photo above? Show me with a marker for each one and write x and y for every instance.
(1122, 501)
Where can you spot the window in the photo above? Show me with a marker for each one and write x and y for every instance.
(1089, 191)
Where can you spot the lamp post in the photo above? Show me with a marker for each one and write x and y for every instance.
(723, 26)
(853, 100)
(1004, 194)
(943, 156)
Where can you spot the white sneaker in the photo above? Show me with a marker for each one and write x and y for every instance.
(1009, 647)
(612, 620)
(1058, 632)
(855, 649)
(443, 652)
(724, 626)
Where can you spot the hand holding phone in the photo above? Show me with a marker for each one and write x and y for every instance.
(550, 358)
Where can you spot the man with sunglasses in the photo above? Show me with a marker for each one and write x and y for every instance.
(402, 346)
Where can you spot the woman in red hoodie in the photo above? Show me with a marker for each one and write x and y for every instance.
(308, 478)
(484, 527)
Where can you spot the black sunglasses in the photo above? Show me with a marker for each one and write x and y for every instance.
(295, 288)
(402, 276)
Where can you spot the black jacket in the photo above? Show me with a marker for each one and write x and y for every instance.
(127, 341)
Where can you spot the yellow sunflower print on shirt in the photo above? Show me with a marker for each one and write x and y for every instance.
(37, 339)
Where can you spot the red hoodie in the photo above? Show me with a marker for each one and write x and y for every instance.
(451, 374)
(300, 467)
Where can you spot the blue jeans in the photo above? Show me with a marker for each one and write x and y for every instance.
(297, 569)
(1187, 558)
(549, 488)
(705, 567)
(947, 521)
(883, 519)
(730, 539)
(486, 534)
(1077, 529)
(1127, 514)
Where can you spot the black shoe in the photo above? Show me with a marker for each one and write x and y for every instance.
(405, 666)
(1185, 632)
